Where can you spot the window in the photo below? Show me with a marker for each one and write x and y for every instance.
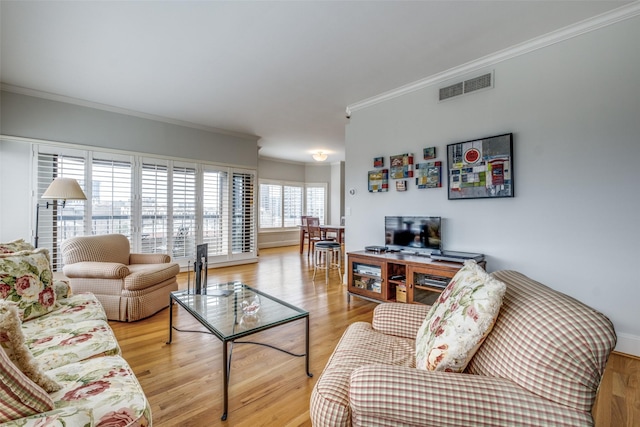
(161, 205)
(282, 204)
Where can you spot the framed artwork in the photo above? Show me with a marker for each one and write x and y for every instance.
(482, 168)
(378, 181)
(401, 166)
(378, 162)
(429, 153)
(428, 175)
(401, 185)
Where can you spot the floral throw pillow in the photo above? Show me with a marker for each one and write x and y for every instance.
(459, 321)
(26, 278)
(15, 246)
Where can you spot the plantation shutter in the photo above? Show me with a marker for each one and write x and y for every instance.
(316, 201)
(270, 205)
(215, 204)
(243, 234)
(56, 222)
(154, 207)
(184, 211)
(111, 197)
(292, 206)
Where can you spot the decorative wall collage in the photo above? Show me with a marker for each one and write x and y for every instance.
(401, 167)
(479, 168)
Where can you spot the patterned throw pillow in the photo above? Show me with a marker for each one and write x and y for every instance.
(15, 246)
(13, 342)
(19, 396)
(26, 278)
(459, 321)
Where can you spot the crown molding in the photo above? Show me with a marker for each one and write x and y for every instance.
(608, 18)
(90, 104)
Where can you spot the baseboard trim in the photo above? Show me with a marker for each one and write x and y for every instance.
(628, 344)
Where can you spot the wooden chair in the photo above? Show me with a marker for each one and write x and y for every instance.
(315, 234)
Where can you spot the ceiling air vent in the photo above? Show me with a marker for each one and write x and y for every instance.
(467, 86)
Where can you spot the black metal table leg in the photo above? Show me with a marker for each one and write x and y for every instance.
(170, 320)
(309, 374)
(225, 378)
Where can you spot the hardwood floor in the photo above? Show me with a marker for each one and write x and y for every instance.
(183, 380)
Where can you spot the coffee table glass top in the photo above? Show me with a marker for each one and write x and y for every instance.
(233, 310)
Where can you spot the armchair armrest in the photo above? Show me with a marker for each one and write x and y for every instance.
(397, 395)
(149, 258)
(398, 319)
(96, 270)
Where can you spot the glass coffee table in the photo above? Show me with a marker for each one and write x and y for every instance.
(233, 310)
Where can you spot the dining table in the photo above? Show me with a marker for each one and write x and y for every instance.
(338, 229)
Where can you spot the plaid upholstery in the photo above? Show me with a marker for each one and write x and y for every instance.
(547, 342)
(129, 286)
(398, 396)
(360, 345)
(541, 365)
(104, 248)
(399, 319)
(19, 396)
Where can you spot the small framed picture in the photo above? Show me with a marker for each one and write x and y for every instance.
(429, 153)
(401, 185)
(378, 162)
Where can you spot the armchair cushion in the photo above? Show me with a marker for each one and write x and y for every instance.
(26, 278)
(149, 258)
(460, 320)
(401, 396)
(146, 275)
(96, 270)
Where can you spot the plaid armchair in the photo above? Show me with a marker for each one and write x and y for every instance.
(130, 286)
(541, 365)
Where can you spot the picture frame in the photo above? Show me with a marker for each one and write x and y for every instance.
(481, 168)
(378, 181)
(401, 166)
(428, 175)
(429, 153)
(378, 162)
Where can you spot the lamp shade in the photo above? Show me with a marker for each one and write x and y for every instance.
(319, 156)
(64, 189)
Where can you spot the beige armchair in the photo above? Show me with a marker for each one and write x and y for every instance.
(130, 286)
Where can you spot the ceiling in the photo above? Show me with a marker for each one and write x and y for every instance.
(284, 71)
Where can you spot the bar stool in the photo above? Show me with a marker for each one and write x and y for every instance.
(332, 258)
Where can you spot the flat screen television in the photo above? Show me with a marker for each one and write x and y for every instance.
(417, 234)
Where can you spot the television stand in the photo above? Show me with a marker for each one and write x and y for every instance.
(398, 277)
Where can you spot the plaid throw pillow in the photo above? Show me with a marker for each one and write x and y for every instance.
(459, 321)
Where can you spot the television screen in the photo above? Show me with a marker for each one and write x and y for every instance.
(420, 234)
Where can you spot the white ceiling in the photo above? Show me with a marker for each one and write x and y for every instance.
(284, 71)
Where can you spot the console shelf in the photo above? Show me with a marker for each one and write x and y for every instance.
(397, 277)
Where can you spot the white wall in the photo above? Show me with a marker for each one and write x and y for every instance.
(574, 109)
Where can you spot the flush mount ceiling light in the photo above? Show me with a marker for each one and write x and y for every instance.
(319, 156)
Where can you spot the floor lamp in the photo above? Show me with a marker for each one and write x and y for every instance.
(60, 189)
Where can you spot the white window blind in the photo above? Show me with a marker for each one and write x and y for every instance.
(243, 234)
(292, 206)
(316, 201)
(111, 195)
(215, 224)
(270, 205)
(184, 211)
(55, 222)
(154, 207)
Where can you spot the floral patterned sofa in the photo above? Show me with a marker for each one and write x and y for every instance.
(60, 363)
(539, 364)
